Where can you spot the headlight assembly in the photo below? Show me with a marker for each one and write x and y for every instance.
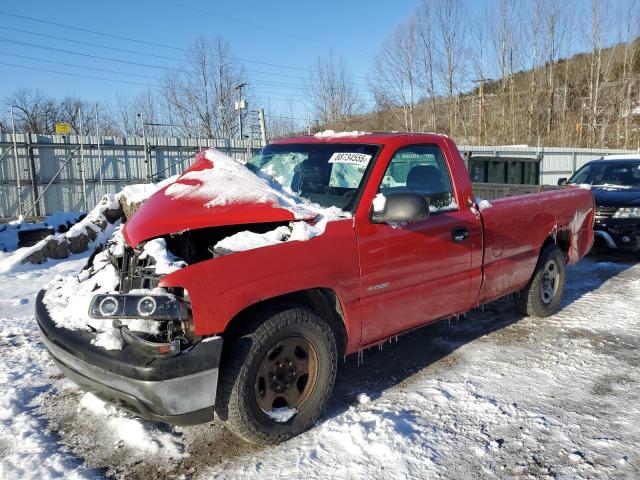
(627, 212)
(153, 307)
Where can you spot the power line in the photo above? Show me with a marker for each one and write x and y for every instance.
(155, 44)
(77, 66)
(135, 52)
(93, 32)
(97, 45)
(129, 62)
(71, 52)
(269, 95)
(261, 26)
(37, 69)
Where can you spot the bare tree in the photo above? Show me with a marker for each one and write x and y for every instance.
(332, 94)
(504, 53)
(596, 69)
(201, 97)
(135, 115)
(33, 111)
(479, 64)
(395, 72)
(427, 58)
(451, 28)
(628, 37)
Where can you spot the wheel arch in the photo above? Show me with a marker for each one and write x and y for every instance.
(561, 238)
(324, 301)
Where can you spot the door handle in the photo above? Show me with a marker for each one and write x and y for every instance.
(459, 234)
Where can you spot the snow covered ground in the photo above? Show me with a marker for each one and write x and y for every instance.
(492, 395)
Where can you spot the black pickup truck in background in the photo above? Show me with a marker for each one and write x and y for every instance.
(615, 183)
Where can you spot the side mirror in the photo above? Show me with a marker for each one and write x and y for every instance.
(399, 208)
(562, 181)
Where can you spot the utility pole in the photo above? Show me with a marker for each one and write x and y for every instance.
(308, 124)
(240, 106)
(480, 83)
(15, 160)
(263, 128)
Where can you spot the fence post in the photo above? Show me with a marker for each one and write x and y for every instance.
(99, 152)
(34, 177)
(16, 162)
(82, 173)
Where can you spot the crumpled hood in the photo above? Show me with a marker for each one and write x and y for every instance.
(616, 198)
(216, 191)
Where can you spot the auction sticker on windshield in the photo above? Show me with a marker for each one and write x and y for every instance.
(352, 158)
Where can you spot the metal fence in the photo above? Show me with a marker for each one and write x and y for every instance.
(70, 173)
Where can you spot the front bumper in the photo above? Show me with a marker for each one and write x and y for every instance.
(180, 389)
(619, 233)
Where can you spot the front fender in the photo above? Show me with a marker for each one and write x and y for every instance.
(222, 287)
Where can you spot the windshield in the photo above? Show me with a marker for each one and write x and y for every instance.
(622, 175)
(327, 174)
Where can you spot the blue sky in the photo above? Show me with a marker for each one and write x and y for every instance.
(287, 33)
(279, 33)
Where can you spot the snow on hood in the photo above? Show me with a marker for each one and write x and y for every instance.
(225, 181)
(216, 191)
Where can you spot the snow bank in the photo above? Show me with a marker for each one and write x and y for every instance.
(138, 193)
(95, 228)
(82, 235)
(334, 134)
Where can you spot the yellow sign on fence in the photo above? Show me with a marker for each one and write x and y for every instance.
(63, 128)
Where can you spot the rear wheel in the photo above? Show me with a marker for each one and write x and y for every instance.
(543, 294)
(276, 375)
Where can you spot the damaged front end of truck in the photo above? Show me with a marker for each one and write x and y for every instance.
(124, 330)
(152, 364)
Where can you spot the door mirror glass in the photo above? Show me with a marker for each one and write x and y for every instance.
(562, 181)
(399, 208)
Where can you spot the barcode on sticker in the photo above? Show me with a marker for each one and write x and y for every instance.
(352, 158)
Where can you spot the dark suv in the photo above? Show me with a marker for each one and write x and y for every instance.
(615, 183)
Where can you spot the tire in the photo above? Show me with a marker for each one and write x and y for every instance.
(543, 294)
(252, 372)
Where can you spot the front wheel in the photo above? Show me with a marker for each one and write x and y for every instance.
(543, 294)
(277, 374)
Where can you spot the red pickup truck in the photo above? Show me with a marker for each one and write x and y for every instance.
(317, 247)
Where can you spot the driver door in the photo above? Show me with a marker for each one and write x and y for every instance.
(414, 273)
